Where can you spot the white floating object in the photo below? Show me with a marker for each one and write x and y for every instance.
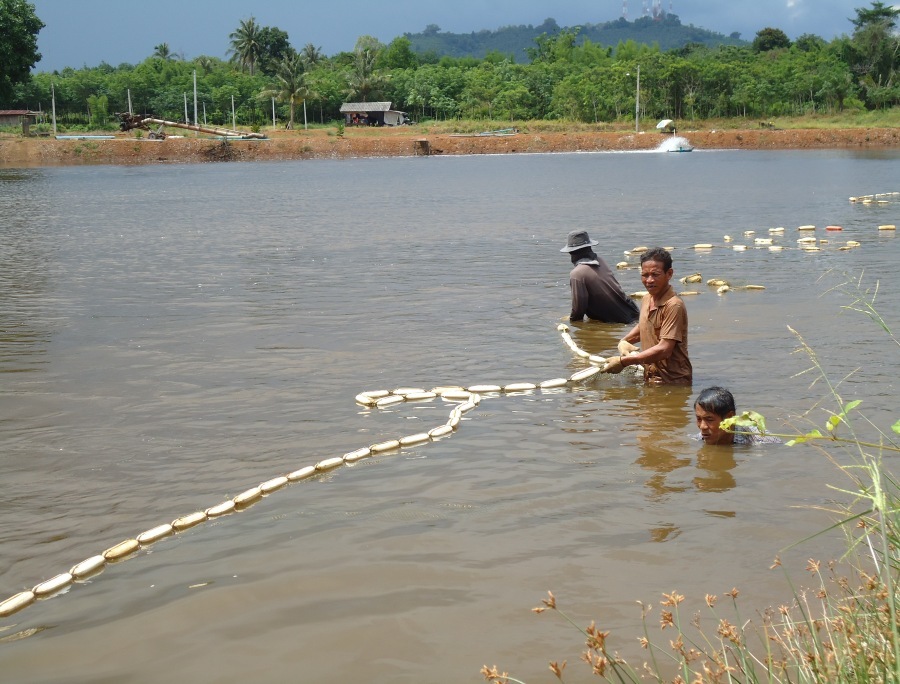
(389, 401)
(220, 509)
(301, 474)
(376, 394)
(780, 229)
(739, 248)
(385, 446)
(622, 264)
(763, 241)
(888, 226)
(806, 240)
(365, 400)
(703, 245)
(88, 566)
(353, 456)
(16, 602)
(485, 388)
(414, 439)
(555, 382)
(155, 533)
(440, 431)
(748, 233)
(852, 243)
(329, 463)
(688, 293)
(449, 388)
(716, 282)
(562, 327)
(639, 250)
(454, 419)
(53, 585)
(519, 387)
(597, 360)
(122, 549)
(584, 374)
(419, 396)
(457, 395)
(775, 248)
(274, 484)
(403, 391)
(467, 406)
(637, 295)
(754, 287)
(250, 496)
(806, 227)
(727, 238)
(723, 289)
(187, 521)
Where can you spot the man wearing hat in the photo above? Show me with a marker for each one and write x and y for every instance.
(595, 290)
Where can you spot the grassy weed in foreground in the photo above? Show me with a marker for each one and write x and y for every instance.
(846, 628)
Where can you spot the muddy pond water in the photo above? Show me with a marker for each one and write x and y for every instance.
(174, 335)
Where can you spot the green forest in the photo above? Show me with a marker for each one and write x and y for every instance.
(565, 76)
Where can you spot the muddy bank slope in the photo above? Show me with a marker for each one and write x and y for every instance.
(326, 144)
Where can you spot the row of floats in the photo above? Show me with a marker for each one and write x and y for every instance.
(465, 399)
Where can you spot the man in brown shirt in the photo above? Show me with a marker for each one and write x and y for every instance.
(662, 328)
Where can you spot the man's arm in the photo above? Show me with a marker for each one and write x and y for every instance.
(656, 353)
(579, 299)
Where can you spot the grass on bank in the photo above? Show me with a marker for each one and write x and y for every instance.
(845, 628)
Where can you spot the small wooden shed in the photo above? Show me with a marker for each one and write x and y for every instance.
(372, 114)
(16, 117)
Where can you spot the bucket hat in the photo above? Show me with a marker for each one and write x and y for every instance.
(578, 239)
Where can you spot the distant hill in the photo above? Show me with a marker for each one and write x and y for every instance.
(667, 31)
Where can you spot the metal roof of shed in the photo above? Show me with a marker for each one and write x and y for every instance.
(365, 107)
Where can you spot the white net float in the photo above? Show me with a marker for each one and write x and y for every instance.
(440, 431)
(122, 549)
(329, 463)
(442, 389)
(692, 278)
(776, 248)
(155, 533)
(554, 382)
(723, 289)
(703, 245)
(403, 391)
(763, 241)
(186, 521)
(726, 238)
(385, 446)
(475, 399)
(454, 419)
(852, 243)
(582, 353)
(754, 287)
(88, 567)
(597, 360)
(748, 233)
(375, 394)
(809, 227)
(739, 248)
(584, 374)
(248, 497)
(353, 456)
(467, 406)
(274, 484)
(637, 295)
(456, 395)
(419, 396)
(389, 401)
(887, 226)
(53, 585)
(16, 603)
(414, 439)
(639, 250)
(519, 387)
(301, 474)
(485, 388)
(223, 508)
(716, 282)
(688, 293)
(365, 400)
(622, 264)
(562, 327)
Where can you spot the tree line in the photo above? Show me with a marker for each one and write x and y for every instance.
(566, 77)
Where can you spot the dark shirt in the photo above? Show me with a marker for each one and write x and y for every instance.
(597, 294)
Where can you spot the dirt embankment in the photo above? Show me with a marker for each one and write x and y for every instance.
(326, 144)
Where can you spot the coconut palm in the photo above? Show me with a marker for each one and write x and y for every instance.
(311, 55)
(364, 80)
(291, 85)
(162, 51)
(246, 45)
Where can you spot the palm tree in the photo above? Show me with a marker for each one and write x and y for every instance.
(311, 54)
(163, 52)
(205, 63)
(291, 85)
(246, 46)
(364, 80)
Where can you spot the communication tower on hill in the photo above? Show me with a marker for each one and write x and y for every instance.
(649, 8)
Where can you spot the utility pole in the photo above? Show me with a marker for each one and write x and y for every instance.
(637, 101)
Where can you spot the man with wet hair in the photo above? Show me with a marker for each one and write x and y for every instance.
(595, 291)
(712, 406)
(662, 328)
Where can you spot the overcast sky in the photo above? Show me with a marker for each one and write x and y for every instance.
(87, 32)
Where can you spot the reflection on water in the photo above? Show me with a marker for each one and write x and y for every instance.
(191, 331)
